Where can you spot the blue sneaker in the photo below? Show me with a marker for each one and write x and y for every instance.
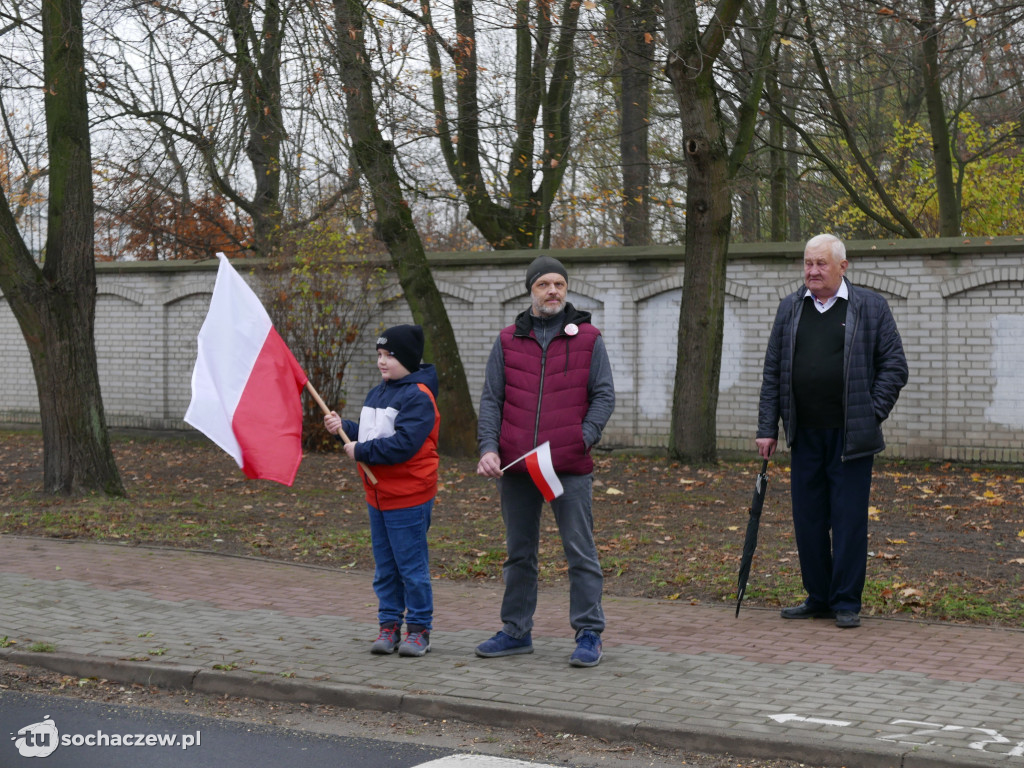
(504, 645)
(588, 650)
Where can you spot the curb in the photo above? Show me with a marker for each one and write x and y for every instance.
(709, 740)
(81, 665)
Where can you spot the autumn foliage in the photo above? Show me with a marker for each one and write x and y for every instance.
(154, 226)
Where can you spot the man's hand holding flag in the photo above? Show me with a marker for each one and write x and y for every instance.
(542, 470)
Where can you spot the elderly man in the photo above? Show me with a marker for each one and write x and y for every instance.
(548, 379)
(833, 370)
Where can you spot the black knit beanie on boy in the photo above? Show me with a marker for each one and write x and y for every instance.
(405, 342)
(543, 265)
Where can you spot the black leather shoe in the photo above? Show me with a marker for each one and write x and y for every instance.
(847, 619)
(805, 611)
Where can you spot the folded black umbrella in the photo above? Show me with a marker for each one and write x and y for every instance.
(750, 542)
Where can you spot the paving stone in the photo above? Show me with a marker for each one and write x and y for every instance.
(754, 685)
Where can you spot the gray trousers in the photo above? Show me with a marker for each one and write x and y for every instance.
(521, 508)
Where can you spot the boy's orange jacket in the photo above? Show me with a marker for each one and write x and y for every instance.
(397, 438)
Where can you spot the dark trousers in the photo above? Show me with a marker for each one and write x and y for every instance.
(521, 507)
(830, 518)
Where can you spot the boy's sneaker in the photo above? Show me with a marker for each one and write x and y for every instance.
(388, 639)
(504, 645)
(416, 643)
(588, 650)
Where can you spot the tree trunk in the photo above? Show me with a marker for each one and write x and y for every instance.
(945, 187)
(394, 219)
(702, 314)
(634, 24)
(521, 219)
(710, 169)
(258, 58)
(708, 219)
(748, 197)
(776, 160)
(793, 191)
(55, 305)
(556, 120)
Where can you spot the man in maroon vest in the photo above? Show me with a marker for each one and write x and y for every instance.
(548, 379)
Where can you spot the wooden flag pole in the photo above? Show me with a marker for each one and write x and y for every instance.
(341, 432)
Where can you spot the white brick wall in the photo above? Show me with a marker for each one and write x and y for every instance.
(957, 305)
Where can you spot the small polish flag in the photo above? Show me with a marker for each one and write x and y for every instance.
(246, 384)
(538, 463)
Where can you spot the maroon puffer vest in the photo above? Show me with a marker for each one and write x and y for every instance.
(546, 398)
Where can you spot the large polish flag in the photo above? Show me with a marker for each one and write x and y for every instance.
(246, 384)
(542, 470)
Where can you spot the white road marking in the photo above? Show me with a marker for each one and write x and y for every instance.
(791, 717)
(480, 761)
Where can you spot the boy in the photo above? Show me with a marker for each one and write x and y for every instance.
(397, 438)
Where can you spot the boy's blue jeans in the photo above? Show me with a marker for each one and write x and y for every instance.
(401, 576)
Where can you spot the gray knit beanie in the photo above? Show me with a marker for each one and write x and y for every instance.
(543, 265)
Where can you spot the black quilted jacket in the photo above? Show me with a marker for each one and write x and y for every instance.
(874, 370)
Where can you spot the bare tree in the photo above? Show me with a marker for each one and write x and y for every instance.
(213, 96)
(694, 47)
(55, 303)
(634, 24)
(514, 211)
(375, 157)
(871, 73)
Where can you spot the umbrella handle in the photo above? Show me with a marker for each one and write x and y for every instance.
(762, 477)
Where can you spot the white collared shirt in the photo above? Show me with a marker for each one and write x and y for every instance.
(842, 293)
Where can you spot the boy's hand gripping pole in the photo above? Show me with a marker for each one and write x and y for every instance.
(344, 437)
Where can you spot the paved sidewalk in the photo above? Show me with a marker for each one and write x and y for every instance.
(891, 693)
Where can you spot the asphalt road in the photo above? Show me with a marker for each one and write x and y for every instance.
(90, 734)
(466, 745)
